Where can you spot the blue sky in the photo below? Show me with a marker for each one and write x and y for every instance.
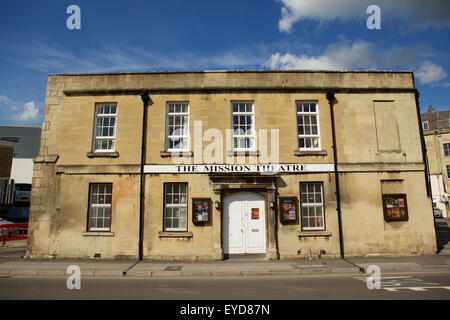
(138, 35)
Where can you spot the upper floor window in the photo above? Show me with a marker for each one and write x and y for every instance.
(177, 135)
(105, 127)
(447, 149)
(425, 125)
(243, 125)
(308, 125)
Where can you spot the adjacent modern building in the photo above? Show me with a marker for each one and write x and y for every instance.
(436, 131)
(202, 165)
(6, 156)
(26, 146)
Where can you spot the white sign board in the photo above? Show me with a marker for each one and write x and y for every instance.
(240, 168)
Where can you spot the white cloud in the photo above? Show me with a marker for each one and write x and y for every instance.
(429, 72)
(341, 55)
(296, 10)
(4, 99)
(360, 55)
(29, 112)
(418, 13)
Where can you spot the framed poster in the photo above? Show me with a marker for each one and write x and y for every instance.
(255, 213)
(201, 210)
(395, 207)
(288, 209)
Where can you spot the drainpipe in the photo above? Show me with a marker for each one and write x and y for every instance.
(330, 98)
(145, 99)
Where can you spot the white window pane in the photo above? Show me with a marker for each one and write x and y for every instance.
(183, 223)
(315, 142)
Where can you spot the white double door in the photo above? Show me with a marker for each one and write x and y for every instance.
(244, 223)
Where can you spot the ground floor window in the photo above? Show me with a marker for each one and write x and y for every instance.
(312, 209)
(100, 196)
(175, 207)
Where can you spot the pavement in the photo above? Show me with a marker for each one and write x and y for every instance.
(13, 265)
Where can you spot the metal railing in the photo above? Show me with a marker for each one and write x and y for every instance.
(13, 231)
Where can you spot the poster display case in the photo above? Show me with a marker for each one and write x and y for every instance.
(201, 210)
(395, 207)
(288, 209)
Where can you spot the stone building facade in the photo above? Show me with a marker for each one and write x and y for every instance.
(436, 132)
(206, 164)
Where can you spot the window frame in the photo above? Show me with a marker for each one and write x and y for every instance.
(303, 228)
(425, 123)
(187, 136)
(90, 206)
(446, 154)
(253, 127)
(384, 196)
(164, 228)
(448, 171)
(104, 115)
(312, 136)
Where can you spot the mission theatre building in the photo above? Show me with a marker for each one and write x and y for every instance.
(206, 164)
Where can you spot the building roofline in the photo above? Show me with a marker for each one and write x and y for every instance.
(230, 71)
(19, 126)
